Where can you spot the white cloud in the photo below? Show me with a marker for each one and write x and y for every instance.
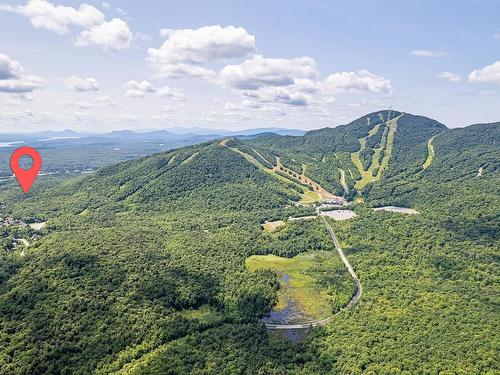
(24, 96)
(170, 93)
(361, 80)
(244, 104)
(452, 77)
(114, 34)
(121, 11)
(286, 95)
(75, 83)
(22, 84)
(136, 89)
(84, 105)
(488, 74)
(185, 50)
(260, 72)
(106, 5)
(12, 77)
(44, 15)
(104, 101)
(101, 101)
(427, 53)
(9, 68)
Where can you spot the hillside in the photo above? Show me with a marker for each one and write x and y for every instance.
(142, 266)
(366, 150)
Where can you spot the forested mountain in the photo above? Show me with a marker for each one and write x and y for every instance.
(141, 268)
(372, 147)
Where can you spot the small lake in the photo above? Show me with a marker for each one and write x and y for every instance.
(290, 314)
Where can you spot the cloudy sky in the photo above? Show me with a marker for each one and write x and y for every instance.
(100, 66)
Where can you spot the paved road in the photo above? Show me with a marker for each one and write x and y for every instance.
(352, 302)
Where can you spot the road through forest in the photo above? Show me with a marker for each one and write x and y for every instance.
(351, 303)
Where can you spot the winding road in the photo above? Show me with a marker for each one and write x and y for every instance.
(351, 303)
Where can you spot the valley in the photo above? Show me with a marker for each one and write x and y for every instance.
(198, 257)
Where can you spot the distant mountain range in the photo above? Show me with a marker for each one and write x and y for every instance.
(162, 134)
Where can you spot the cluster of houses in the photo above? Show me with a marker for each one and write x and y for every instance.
(19, 224)
(10, 222)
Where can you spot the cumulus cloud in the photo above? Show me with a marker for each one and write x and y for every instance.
(488, 74)
(101, 101)
(83, 105)
(427, 53)
(9, 68)
(106, 5)
(13, 79)
(105, 101)
(259, 72)
(114, 34)
(136, 89)
(170, 93)
(57, 18)
(185, 50)
(452, 77)
(291, 81)
(361, 80)
(244, 104)
(15, 116)
(75, 83)
(286, 95)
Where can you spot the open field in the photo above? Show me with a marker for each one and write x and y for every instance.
(316, 282)
(271, 226)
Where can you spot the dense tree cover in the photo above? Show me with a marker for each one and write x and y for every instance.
(142, 266)
(294, 238)
(429, 305)
(410, 143)
(129, 251)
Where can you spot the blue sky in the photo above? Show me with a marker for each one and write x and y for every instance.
(100, 66)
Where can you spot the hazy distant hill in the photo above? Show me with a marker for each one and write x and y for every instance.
(68, 152)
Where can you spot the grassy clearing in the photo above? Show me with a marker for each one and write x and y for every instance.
(204, 314)
(271, 226)
(430, 153)
(310, 197)
(318, 282)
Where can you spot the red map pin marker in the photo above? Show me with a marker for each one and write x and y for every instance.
(26, 177)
